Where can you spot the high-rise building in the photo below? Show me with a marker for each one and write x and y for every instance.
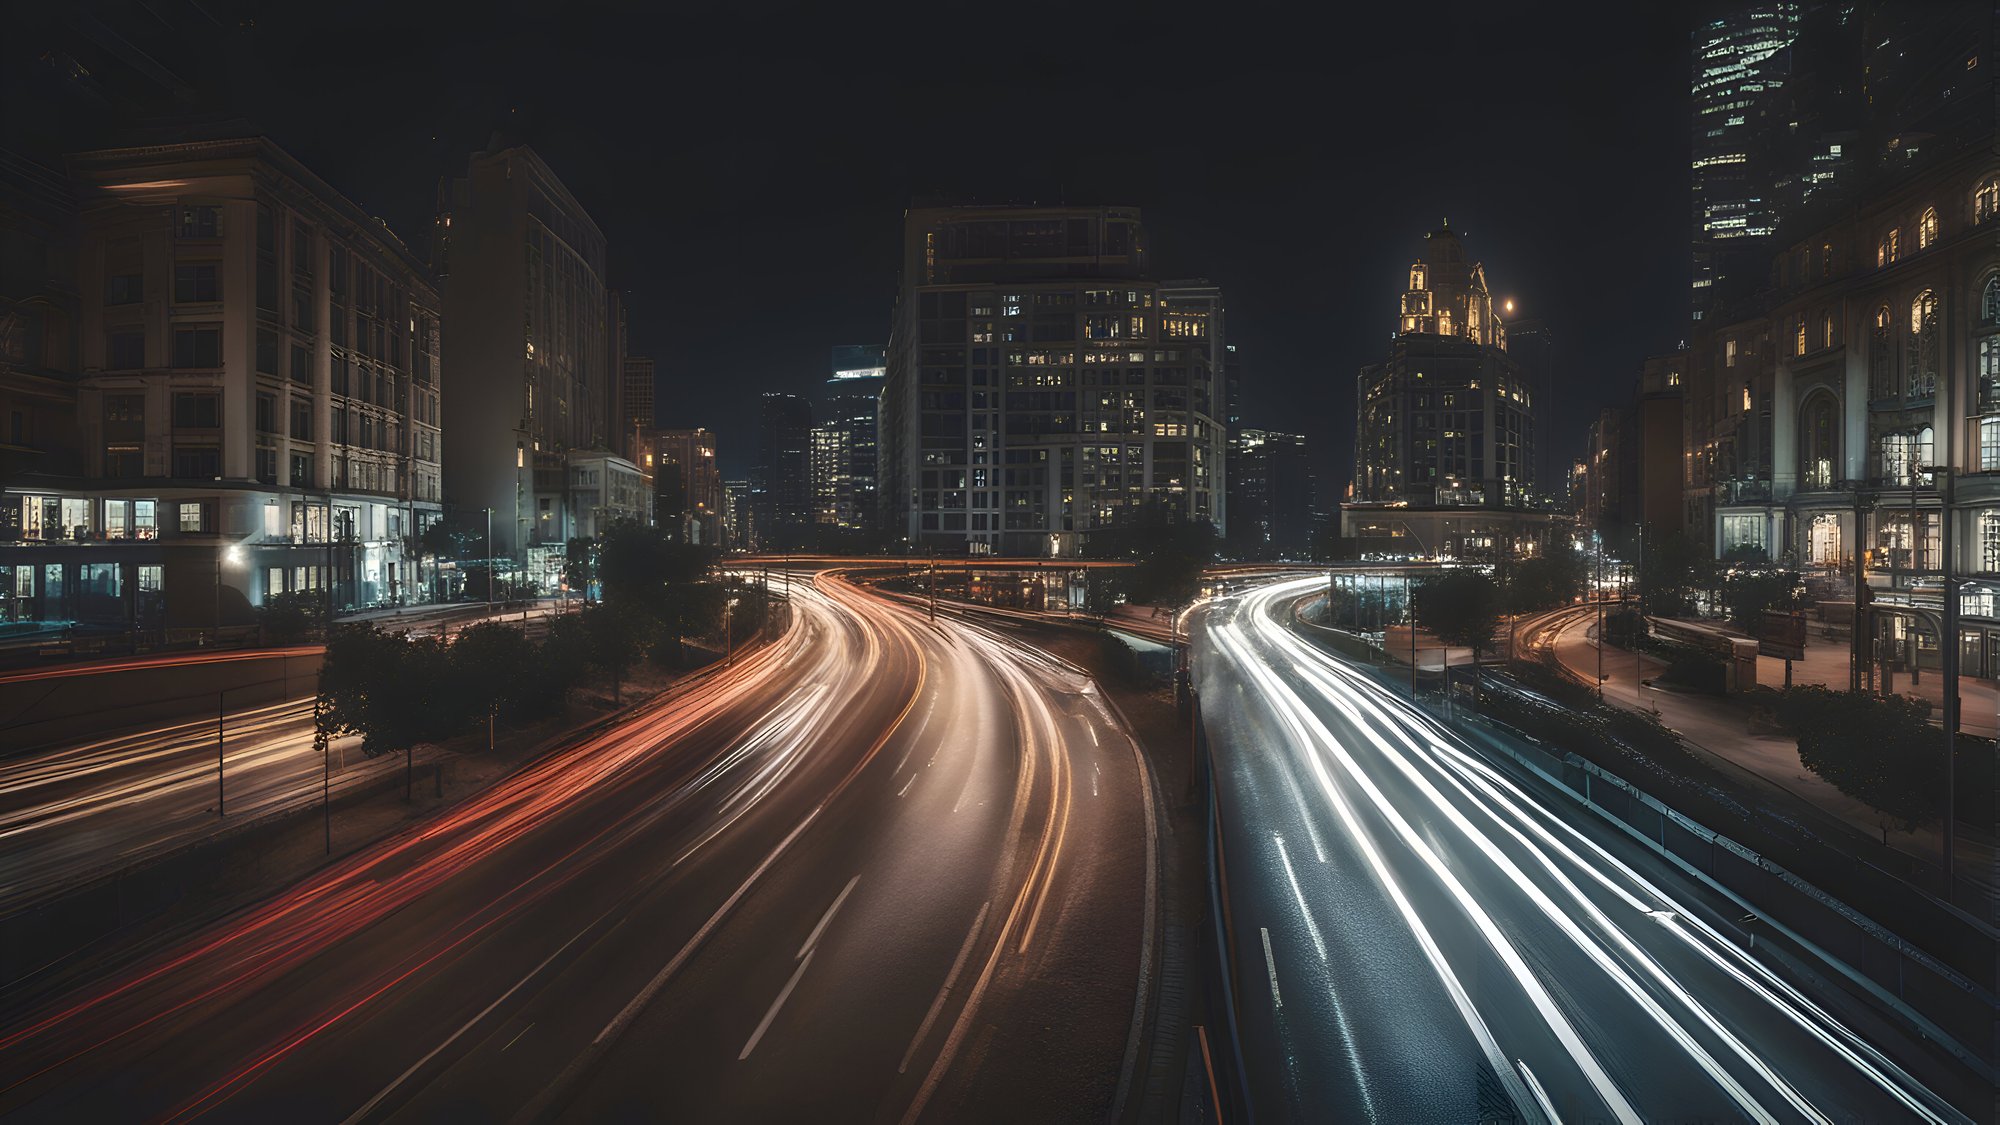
(1740, 57)
(1533, 346)
(1448, 423)
(781, 485)
(1271, 496)
(1041, 384)
(688, 486)
(636, 401)
(257, 392)
(532, 358)
(829, 463)
(852, 406)
(739, 523)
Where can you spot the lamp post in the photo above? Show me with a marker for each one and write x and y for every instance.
(489, 557)
(1948, 656)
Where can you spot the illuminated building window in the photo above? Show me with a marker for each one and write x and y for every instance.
(1986, 201)
(1927, 229)
(1889, 249)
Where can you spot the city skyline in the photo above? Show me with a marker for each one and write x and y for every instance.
(681, 217)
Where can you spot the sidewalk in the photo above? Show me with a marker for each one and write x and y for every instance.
(1826, 663)
(1721, 727)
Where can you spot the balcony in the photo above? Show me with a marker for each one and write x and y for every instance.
(1742, 492)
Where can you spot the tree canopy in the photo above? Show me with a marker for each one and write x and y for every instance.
(1459, 607)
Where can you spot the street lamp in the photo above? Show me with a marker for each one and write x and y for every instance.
(233, 555)
(489, 557)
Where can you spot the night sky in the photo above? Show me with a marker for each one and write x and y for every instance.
(749, 171)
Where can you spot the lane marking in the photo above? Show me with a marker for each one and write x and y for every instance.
(775, 1005)
(367, 1108)
(937, 1005)
(1305, 911)
(631, 1010)
(517, 1037)
(813, 939)
(1271, 967)
(906, 785)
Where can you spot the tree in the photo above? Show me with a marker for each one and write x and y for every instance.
(388, 688)
(289, 618)
(1880, 750)
(1460, 608)
(580, 566)
(1748, 593)
(1548, 580)
(1675, 570)
(613, 640)
(1168, 558)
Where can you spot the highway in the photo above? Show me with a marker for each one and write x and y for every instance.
(1417, 936)
(70, 813)
(855, 875)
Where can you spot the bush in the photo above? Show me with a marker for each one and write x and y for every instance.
(289, 618)
(1880, 750)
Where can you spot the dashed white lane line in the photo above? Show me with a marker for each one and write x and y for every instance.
(775, 1005)
(1271, 967)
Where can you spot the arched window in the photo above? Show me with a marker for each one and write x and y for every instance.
(1986, 200)
(1890, 248)
(1927, 229)
(1818, 453)
(1882, 356)
(1799, 335)
(1826, 329)
(1989, 303)
(1923, 345)
(1826, 260)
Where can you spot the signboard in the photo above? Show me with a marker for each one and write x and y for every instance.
(1782, 635)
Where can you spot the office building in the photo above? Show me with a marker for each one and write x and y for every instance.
(739, 522)
(845, 467)
(1041, 384)
(532, 356)
(1632, 472)
(257, 399)
(1448, 422)
(636, 398)
(1740, 58)
(688, 487)
(1271, 496)
(781, 497)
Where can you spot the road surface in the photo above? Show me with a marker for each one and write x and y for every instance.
(851, 876)
(1418, 937)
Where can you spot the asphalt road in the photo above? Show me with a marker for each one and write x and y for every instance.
(842, 879)
(1418, 937)
(71, 813)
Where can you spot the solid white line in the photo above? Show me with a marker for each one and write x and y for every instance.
(906, 785)
(827, 917)
(363, 1112)
(631, 1010)
(517, 1037)
(937, 1005)
(1271, 967)
(775, 1005)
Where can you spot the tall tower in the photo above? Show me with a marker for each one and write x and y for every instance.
(1740, 57)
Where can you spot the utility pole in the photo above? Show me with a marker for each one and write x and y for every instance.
(218, 752)
(933, 583)
(1598, 594)
(489, 559)
(1859, 659)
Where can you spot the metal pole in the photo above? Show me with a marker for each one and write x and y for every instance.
(1410, 611)
(1949, 657)
(218, 751)
(489, 559)
(1600, 618)
(326, 787)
